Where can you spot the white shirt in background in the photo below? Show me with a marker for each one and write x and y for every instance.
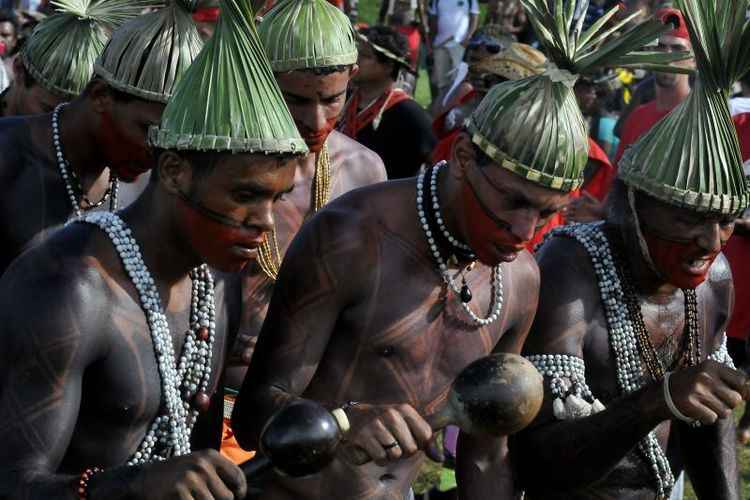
(452, 19)
(739, 105)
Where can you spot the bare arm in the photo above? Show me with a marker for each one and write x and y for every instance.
(570, 451)
(46, 351)
(482, 464)
(308, 298)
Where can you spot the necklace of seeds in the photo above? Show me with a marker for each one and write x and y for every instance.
(269, 255)
(77, 197)
(692, 353)
(184, 382)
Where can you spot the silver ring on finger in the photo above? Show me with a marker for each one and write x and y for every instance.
(391, 445)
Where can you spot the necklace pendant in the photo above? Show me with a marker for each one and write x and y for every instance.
(202, 334)
(202, 402)
(465, 294)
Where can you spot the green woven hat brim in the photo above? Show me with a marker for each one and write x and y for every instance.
(691, 158)
(147, 56)
(534, 128)
(306, 34)
(61, 51)
(228, 100)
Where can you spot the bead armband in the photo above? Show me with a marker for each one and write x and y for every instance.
(83, 482)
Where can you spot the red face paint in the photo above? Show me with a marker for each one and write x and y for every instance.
(221, 242)
(3, 48)
(127, 156)
(316, 140)
(683, 264)
(489, 236)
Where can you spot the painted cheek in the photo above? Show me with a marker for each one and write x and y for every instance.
(215, 242)
(484, 235)
(128, 157)
(670, 259)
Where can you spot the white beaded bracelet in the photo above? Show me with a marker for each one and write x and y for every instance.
(672, 407)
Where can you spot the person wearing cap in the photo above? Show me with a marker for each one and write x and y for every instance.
(391, 290)
(629, 332)
(485, 70)
(116, 330)
(313, 72)
(671, 89)
(206, 15)
(41, 74)
(75, 157)
(380, 115)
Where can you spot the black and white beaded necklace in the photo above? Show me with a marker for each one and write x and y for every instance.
(436, 232)
(77, 197)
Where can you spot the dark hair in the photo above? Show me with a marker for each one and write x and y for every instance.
(481, 158)
(202, 162)
(746, 79)
(118, 95)
(392, 41)
(328, 70)
(8, 16)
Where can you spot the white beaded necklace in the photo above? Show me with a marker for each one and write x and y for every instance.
(62, 165)
(438, 216)
(496, 304)
(183, 383)
(622, 337)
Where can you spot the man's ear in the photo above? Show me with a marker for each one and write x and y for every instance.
(353, 70)
(175, 173)
(462, 154)
(100, 96)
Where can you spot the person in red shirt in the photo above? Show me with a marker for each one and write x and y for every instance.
(671, 88)
(737, 253)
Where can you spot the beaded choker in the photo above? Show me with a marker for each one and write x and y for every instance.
(428, 213)
(75, 191)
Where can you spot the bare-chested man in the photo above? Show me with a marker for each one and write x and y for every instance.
(391, 290)
(114, 330)
(48, 175)
(313, 52)
(632, 313)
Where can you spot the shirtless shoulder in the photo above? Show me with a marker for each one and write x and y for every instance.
(569, 298)
(360, 165)
(52, 295)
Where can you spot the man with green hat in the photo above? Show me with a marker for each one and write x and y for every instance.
(49, 69)
(312, 49)
(632, 313)
(115, 330)
(61, 164)
(391, 290)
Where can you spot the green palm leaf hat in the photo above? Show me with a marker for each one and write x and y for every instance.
(305, 34)
(533, 127)
(148, 55)
(62, 49)
(691, 158)
(228, 100)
